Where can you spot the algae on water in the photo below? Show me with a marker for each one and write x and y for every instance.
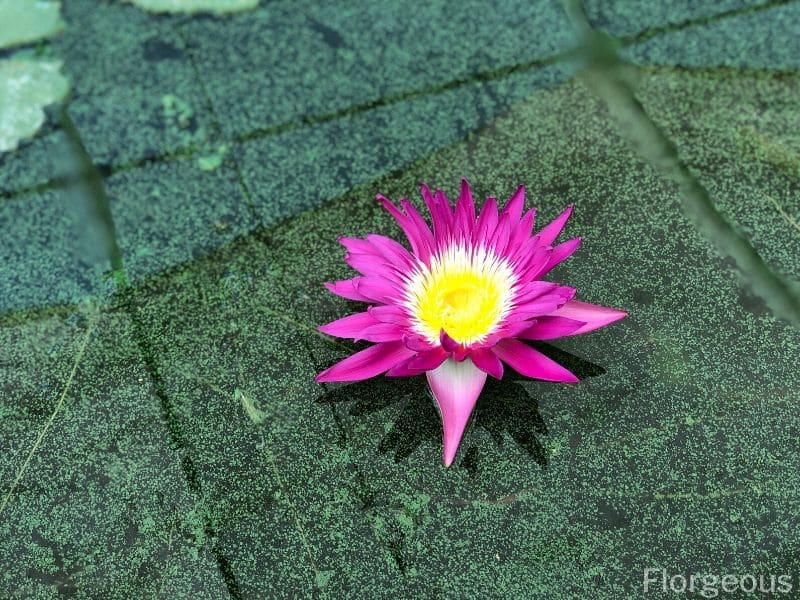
(26, 87)
(193, 6)
(32, 20)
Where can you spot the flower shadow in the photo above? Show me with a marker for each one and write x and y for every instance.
(505, 406)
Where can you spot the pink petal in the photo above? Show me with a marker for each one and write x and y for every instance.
(427, 361)
(402, 370)
(370, 264)
(448, 343)
(550, 232)
(515, 205)
(456, 387)
(522, 231)
(593, 315)
(390, 249)
(416, 343)
(487, 221)
(465, 212)
(531, 363)
(550, 328)
(424, 233)
(487, 361)
(501, 234)
(532, 290)
(346, 289)
(559, 254)
(377, 289)
(367, 363)
(534, 258)
(439, 208)
(389, 314)
(542, 305)
(382, 332)
(406, 224)
(350, 326)
(356, 245)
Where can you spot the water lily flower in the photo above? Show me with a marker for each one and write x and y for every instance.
(461, 302)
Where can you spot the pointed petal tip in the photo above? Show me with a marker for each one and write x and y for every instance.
(456, 387)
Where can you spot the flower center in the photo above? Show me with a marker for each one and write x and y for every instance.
(465, 291)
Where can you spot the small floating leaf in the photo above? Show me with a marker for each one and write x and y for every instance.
(211, 162)
(251, 409)
(26, 87)
(31, 21)
(193, 6)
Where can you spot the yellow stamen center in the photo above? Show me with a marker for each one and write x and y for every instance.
(466, 292)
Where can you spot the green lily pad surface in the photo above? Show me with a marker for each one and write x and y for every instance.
(165, 246)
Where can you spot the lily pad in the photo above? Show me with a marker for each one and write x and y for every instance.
(26, 87)
(196, 6)
(32, 21)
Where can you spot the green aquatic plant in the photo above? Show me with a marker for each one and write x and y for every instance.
(26, 87)
(216, 7)
(32, 21)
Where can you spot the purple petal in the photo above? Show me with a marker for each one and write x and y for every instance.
(367, 363)
(402, 370)
(377, 289)
(448, 343)
(356, 245)
(515, 205)
(534, 259)
(550, 232)
(389, 313)
(593, 315)
(372, 265)
(382, 332)
(486, 224)
(559, 254)
(390, 249)
(406, 224)
(533, 289)
(416, 343)
(487, 361)
(427, 361)
(439, 208)
(542, 305)
(550, 328)
(531, 363)
(465, 212)
(456, 387)
(350, 326)
(346, 289)
(501, 234)
(522, 231)
(423, 231)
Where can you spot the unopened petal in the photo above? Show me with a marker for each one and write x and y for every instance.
(456, 387)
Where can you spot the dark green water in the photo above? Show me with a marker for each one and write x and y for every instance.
(166, 233)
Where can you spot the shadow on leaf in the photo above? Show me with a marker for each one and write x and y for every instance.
(505, 406)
